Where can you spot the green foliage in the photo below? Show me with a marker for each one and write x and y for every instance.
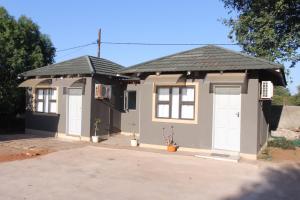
(281, 142)
(22, 47)
(266, 28)
(296, 143)
(282, 96)
(297, 97)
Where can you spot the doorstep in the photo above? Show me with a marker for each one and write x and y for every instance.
(220, 156)
(72, 137)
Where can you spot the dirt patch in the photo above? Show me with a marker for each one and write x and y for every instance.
(275, 154)
(11, 155)
(24, 146)
(283, 155)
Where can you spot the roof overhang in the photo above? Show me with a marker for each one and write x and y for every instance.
(36, 82)
(68, 82)
(166, 78)
(226, 77)
(49, 82)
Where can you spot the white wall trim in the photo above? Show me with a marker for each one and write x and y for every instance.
(57, 135)
(129, 134)
(194, 150)
(248, 156)
(40, 132)
(74, 138)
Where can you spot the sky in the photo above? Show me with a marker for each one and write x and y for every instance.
(73, 23)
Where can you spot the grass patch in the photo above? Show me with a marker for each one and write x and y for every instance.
(264, 155)
(283, 143)
(296, 143)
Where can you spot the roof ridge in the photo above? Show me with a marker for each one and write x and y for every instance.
(65, 61)
(160, 58)
(92, 68)
(249, 56)
(104, 59)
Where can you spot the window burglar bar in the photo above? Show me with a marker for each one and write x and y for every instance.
(175, 102)
(46, 100)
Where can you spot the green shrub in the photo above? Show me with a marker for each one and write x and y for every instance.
(283, 143)
(296, 143)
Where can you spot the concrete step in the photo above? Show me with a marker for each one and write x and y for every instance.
(219, 156)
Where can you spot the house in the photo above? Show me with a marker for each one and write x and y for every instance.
(210, 97)
(61, 98)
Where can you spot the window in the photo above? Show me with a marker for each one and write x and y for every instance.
(130, 100)
(46, 100)
(175, 102)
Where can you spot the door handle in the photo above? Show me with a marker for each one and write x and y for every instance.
(238, 114)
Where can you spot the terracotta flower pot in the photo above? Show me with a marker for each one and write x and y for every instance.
(171, 148)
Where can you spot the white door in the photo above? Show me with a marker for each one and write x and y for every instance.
(226, 123)
(75, 111)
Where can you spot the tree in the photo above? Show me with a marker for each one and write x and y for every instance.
(22, 47)
(281, 96)
(297, 97)
(266, 28)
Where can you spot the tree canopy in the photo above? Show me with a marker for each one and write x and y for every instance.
(22, 47)
(266, 28)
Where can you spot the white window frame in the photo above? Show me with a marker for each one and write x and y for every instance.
(126, 100)
(46, 99)
(170, 102)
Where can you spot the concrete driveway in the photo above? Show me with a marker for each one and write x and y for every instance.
(103, 173)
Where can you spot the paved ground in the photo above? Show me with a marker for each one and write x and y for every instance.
(103, 173)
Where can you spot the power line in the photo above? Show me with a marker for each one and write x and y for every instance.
(76, 47)
(74, 51)
(165, 44)
(146, 44)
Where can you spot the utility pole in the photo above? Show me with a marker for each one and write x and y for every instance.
(99, 42)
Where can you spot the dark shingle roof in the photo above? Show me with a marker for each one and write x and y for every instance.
(103, 66)
(207, 58)
(80, 65)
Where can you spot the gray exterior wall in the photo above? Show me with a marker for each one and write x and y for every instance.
(108, 111)
(58, 122)
(196, 135)
(264, 114)
(185, 135)
(132, 116)
(249, 117)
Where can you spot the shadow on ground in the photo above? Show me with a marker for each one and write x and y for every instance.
(19, 135)
(277, 183)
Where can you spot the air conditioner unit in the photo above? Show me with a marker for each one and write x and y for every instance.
(266, 91)
(102, 91)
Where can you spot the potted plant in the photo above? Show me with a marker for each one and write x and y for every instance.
(169, 140)
(96, 138)
(133, 141)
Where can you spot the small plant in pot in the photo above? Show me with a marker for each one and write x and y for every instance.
(169, 140)
(96, 138)
(133, 141)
